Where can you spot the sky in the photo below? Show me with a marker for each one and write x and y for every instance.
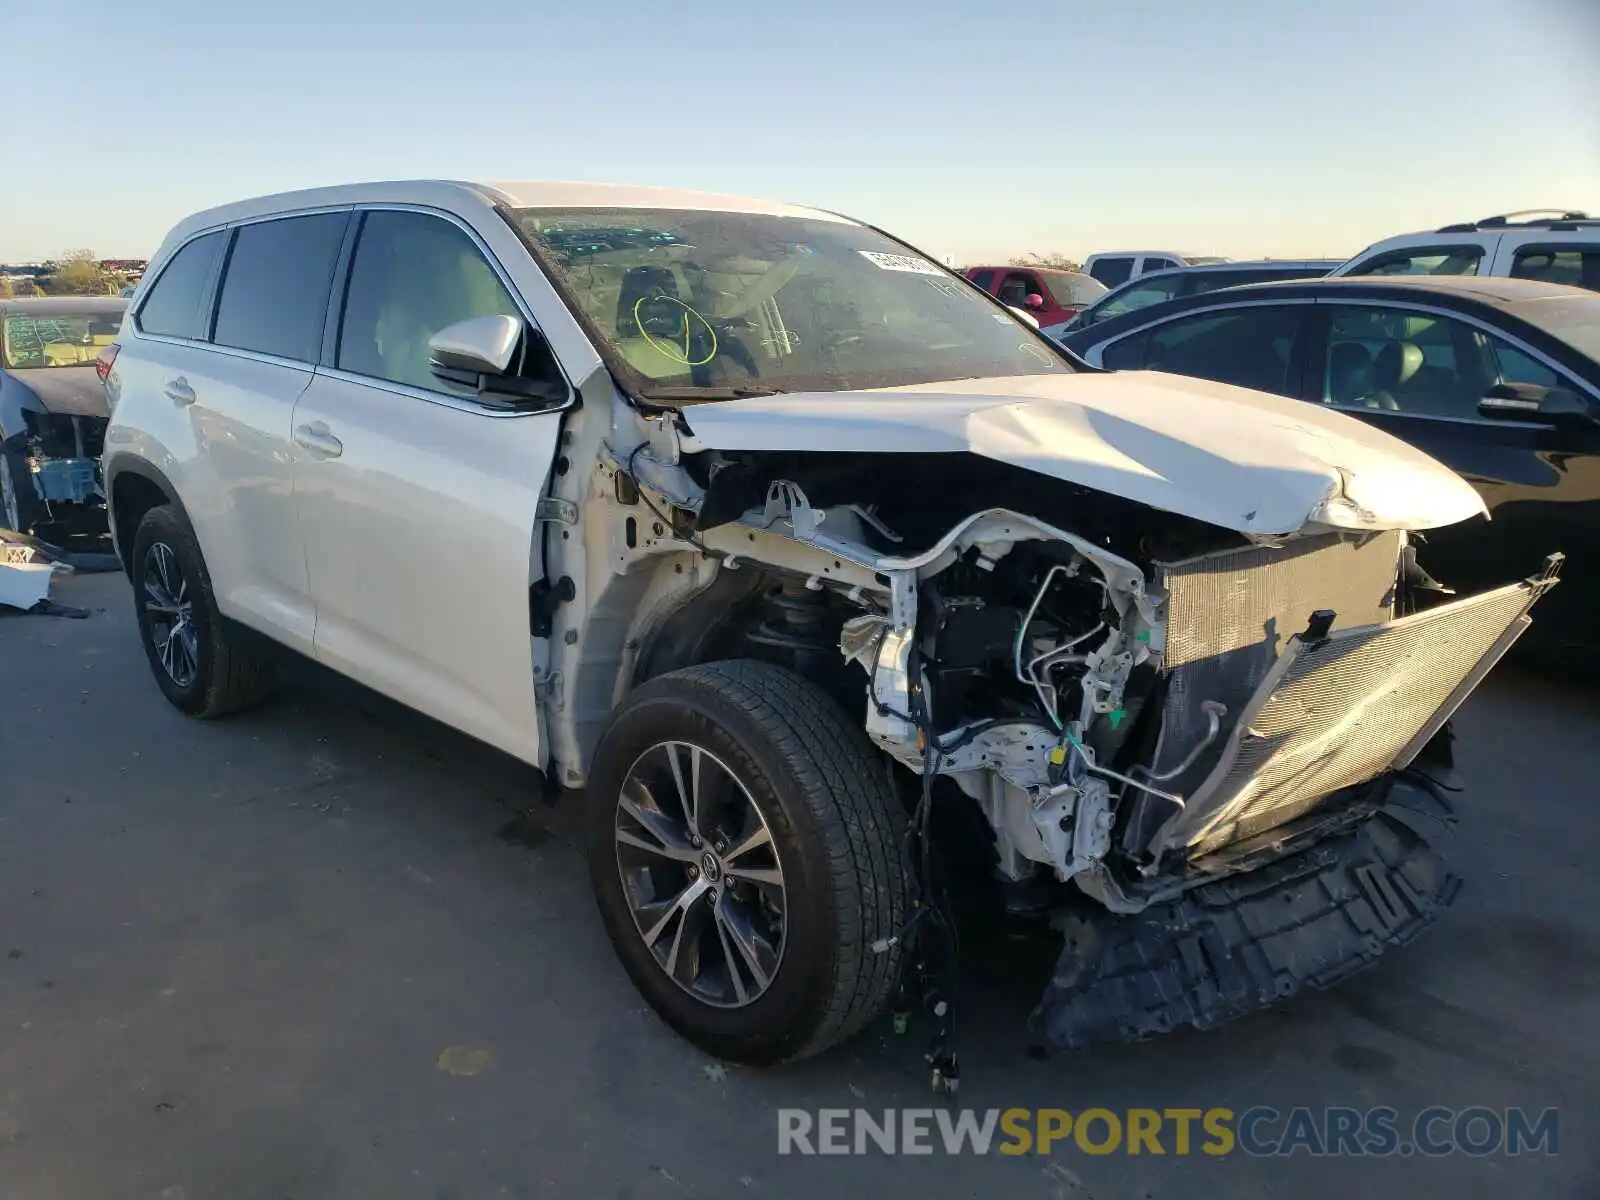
(975, 130)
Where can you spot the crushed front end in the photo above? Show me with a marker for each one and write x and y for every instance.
(1211, 769)
(1292, 846)
(61, 453)
(1211, 757)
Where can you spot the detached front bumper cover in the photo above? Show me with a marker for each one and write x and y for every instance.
(1248, 941)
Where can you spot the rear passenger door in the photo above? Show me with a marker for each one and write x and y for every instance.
(232, 386)
(418, 501)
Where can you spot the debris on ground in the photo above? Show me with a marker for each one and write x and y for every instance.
(25, 583)
(21, 547)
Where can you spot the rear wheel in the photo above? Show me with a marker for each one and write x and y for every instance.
(203, 666)
(747, 850)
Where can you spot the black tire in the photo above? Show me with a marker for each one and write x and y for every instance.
(231, 670)
(21, 510)
(838, 831)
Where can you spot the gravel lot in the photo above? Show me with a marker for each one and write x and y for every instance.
(232, 956)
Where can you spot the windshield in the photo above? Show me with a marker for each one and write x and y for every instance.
(59, 339)
(708, 305)
(1069, 289)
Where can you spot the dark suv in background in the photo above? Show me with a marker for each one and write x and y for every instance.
(1160, 286)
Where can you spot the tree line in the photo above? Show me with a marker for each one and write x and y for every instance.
(76, 273)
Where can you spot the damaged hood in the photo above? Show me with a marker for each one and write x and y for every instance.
(66, 391)
(1232, 457)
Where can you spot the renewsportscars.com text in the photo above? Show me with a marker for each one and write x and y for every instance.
(1260, 1131)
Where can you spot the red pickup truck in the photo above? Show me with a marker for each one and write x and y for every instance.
(1049, 294)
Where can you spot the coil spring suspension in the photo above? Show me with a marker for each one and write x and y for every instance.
(798, 620)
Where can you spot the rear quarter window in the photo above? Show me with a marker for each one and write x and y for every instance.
(1113, 272)
(174, 304)
(1575, 266)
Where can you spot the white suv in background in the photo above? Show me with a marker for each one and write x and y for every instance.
(1552, 245)
(1115, 267)
(765, 530)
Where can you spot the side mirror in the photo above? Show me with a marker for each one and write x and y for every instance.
(488, 355)
(1023, 314)
(479, 345)
(1034, 300)
(1542, 405)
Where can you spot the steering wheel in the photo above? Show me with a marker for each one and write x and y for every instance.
(682, 334)
(674, 330)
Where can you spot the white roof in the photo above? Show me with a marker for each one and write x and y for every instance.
(549, 194)
(459, 196)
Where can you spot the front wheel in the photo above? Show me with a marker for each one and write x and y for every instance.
(746, 851)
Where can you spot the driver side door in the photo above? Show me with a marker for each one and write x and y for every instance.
(417, 502)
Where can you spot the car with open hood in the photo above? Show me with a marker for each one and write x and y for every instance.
(53, 410)
(819, 571)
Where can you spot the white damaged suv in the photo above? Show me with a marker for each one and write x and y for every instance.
(825, 577)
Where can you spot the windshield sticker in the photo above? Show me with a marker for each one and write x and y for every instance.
(900, 262)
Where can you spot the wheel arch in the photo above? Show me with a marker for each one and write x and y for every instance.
(133, 487)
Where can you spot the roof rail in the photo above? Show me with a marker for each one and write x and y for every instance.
(1526, 216)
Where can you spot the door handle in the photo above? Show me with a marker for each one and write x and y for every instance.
(316, 439)
(179, 391)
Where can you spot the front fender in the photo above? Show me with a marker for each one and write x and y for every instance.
(15, 399)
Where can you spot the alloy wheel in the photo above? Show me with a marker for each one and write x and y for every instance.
(171, 615)
(701, 874)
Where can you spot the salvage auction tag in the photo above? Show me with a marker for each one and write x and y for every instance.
(900, 262)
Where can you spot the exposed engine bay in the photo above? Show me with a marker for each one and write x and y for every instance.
(1083, 681)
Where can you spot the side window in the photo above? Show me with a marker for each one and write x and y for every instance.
(172, 306)
(1127, 354)
(1017, 286)
(1251, 347)
(1155, 264)
(1437, 260)
(1404, 361)
(1517, 366)
(1575, 266)
(1113, 272)
(275, 287)
(983, 279)
(413, 275)
(1140, 295)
